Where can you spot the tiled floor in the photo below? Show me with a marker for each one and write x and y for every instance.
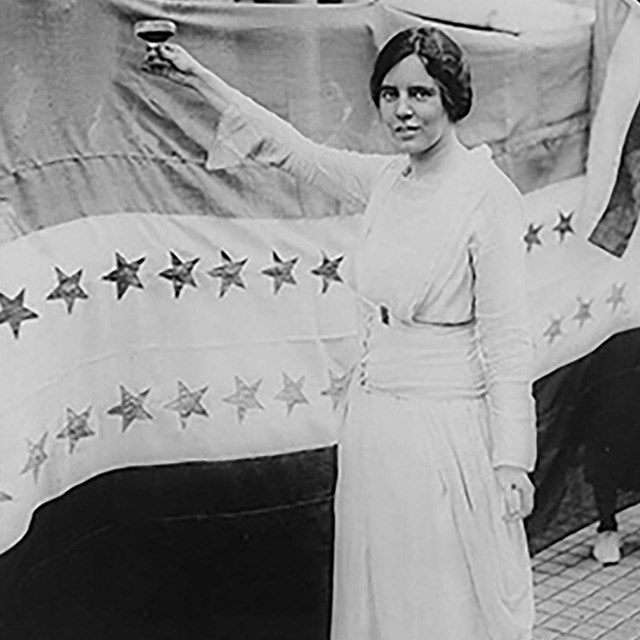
(578, 599)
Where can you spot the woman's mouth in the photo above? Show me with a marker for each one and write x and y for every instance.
(405, 131)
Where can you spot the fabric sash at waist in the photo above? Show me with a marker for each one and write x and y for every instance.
(423, 360)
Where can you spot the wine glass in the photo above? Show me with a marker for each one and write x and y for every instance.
(154, 33)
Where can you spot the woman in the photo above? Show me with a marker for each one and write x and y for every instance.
(440, 431)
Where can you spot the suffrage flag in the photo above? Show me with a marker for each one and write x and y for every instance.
(584, 254)
(175, 343)
(612, 202)
(155, 311)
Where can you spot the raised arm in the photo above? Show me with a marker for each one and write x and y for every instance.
(503, 329)
(247, 130)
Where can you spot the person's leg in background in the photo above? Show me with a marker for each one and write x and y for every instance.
(607, 545)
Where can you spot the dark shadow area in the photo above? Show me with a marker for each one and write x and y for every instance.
(234, 550)
(588, 414)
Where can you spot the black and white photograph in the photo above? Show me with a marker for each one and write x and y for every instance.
(319, 319)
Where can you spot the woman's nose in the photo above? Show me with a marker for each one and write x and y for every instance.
(403, 108)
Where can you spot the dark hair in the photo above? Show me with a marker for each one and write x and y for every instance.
(442, 59)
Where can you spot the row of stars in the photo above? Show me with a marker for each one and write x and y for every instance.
(125, 276)
(615, 299)
(532, 237)
(186, 404)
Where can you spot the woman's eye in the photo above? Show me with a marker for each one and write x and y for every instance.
(421, 93)
(388, 95)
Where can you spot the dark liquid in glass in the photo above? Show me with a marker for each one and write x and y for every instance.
(155, 36)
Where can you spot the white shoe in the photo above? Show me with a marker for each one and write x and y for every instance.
(606, 549)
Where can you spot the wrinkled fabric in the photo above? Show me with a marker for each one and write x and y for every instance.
(612, 199)
(84, 132)
(422, 550)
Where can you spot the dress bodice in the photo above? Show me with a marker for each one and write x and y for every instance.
(413, 256)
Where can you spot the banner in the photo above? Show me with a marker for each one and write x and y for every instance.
(612, 200)
(153, 311)
(587, 424)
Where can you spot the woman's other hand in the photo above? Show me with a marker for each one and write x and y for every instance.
(173, 62)
(517, 490)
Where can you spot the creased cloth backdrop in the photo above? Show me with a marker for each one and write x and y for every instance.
(154, 311)
(587, 410)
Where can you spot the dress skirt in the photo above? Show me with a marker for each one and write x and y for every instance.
(422, 548)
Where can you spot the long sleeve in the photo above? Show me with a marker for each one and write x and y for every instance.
(248, 131)
(500, 306)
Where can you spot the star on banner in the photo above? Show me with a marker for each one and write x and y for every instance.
(584, 311)
(291, 393)
(131, 407)
(180, 273)
(338, 387)
(37, 456)
(125, 275)
(68, 288)
(280, 271)
(531, 238)
(187, 403)
(616, 298)
(77, 427)
(245, 397)
(554, 330)
(13, 312)
(229, 273)
(328, 271)
(564, 225)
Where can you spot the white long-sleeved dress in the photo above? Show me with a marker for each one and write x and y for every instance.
(444, 393)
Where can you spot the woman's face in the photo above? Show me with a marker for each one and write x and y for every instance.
(411, 107)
